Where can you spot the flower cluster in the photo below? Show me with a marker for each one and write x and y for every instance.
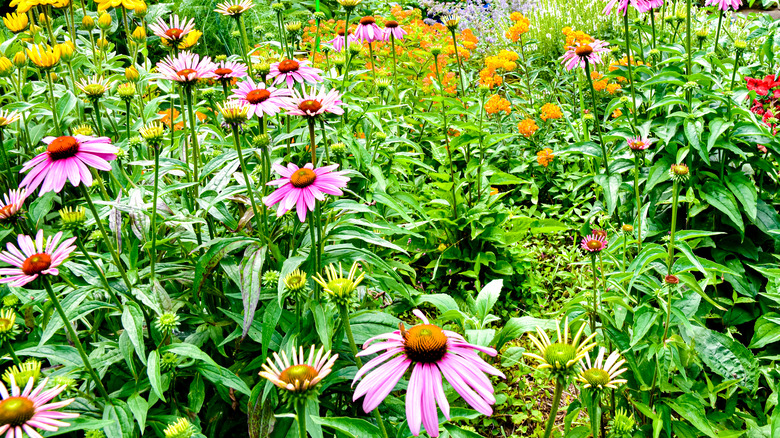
(766, 104)
(496, 104)
(504, 61)
(527, 127)
(551, 111)
(520, 26)
(545, 157)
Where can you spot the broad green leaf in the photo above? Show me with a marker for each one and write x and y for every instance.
(690, 408)
(767, 330)
(745, 191)
(721, 198)
(210, 369)
(251, 274)
(138, 406)
(516, 327)
(725, 356)
(153, 371)
(133, 323)
(487, 298)
(350, 427)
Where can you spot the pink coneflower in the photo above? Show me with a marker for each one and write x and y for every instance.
(68, 158)
(175, 30)
(367, 31)
(34, 258)
(314, 103)
(300, 187)
(340, 42)
(639, 144)
(234, 8)
(431, 352)
(392, 28)
(595, 242)
(227, 70)
(14, 201)
(292, 71)
(724, 5)
(639, 5)
(261, 100)
(186, 68)
(577, 55)
(298, 374)
(22, 412)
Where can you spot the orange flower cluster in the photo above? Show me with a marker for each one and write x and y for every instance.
(505, 60)
(527, 127)
(551, 111)
(617, 113)
(520, 26)
(496, 104)
(545, 157)
(615, 65)
(600, 83)
(576, 36)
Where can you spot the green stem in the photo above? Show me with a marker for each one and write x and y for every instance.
(312, 143)
(395, 67)
(675, 198)
(554, 408)
(373, 61)
(194, 135)
(244, 45)
(98, 117)
(460, 66)
(481, 147)
(628, 64)
(688, 32)
(596, 118)
(351, 338)
(12, 353)
(447, 140)
(153, 224)
(127, 128)
(638, 205)
(301, 414)
(6, 163)
(595, 295)
(349, 55)
(313, 252)
(75, 338)
(717, 32)
(103, 232)
(652, 25)
(52, 102)
(527, 74)
(247, 181)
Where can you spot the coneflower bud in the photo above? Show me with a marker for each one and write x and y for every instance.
(8, 329)
(435, 50)
(23, 372)
(702, 34)
(73, 219)
(339, 60)
(153, 133)
(209, 93)
(180, 428)
(671, 279)
(627, 228)
(167, 322)
(88, 23)
(258, 30)
(104, 21)
(355, 49)
(10, 301)
(131, 74)
(134, 142)
(234, 112)
(102, 43)
(740, 45)
(126, 91)
(679, 172)
(270, 278)
(278, 7)
(83, 130)
(293, 27)
(220, 58)
(690, 85)
(379, 135)
(338, 148)
(261, 141)
(319, 15)
(452, 21)
(382, 83)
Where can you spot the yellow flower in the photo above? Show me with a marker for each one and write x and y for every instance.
(189, 40)
(139, 34)
(602, 373)
(104, 21)
(20, 60)
(16, 22)
(127, 4)
(527, 127)
(44, 56)
(66, 50)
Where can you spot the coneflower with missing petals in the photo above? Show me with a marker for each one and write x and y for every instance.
(579, 54)
(174, 30)
(34, 258)
(12, 204)
(293, 71)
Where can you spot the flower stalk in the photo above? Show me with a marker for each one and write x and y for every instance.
(596, 119)
(554, 408)
(247, 181)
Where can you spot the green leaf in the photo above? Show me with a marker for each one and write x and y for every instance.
(351, 427)
(690, 408)
(692, 134)
(218, 249)
(153, 371)
(133, 323)
(719, 197)
(487, 298)
(40, 207)
(725, 356)
(717, 127)
(442, 302)
(767, 330)
(611, 187)
(271, 317)
(252, 271)
(745, 191)
(138, 406)
(210, 369)
(516, 327)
